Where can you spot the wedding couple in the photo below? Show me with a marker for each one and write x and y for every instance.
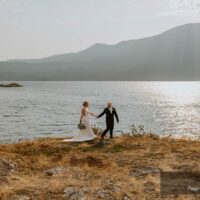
(87, 133)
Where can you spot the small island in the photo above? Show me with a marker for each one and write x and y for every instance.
(125, 168)
(10, 85)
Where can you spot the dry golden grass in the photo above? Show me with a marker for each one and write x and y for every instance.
(45, 167)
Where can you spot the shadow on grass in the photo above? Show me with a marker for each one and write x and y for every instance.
(118, 148)
(90, 161)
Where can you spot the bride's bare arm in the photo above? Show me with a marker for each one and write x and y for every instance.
(93, 114)
(82, 114)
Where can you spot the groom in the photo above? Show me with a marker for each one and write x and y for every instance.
(110, 113)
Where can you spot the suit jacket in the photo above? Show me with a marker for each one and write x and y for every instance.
(110, 115)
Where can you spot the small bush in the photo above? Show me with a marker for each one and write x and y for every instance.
(97, 130)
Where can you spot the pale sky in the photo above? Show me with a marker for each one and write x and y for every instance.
(39, 28)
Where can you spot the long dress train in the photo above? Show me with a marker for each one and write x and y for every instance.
(85, 134)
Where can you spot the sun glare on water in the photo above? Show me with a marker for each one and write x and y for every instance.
(179, 92)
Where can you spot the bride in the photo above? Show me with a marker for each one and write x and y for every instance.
(86, 133)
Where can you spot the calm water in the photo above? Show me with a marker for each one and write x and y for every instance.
(43, 109)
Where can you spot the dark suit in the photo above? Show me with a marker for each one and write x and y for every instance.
(109, 121)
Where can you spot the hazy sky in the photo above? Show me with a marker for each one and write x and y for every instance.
(38, 28)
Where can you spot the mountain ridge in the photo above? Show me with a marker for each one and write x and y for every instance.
(171, 55)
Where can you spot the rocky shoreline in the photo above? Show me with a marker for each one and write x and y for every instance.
(126, 168)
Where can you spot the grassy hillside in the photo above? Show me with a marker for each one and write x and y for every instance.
(126, 168)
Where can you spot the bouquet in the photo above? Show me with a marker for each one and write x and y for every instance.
(81, 126)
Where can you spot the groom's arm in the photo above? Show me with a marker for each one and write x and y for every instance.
(116, 115)
(102, 113)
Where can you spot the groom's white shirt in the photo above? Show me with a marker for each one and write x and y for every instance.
(110, 109)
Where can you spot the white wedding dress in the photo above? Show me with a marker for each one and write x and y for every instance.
(85, 134)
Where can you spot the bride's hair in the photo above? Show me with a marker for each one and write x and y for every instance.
(85, 104)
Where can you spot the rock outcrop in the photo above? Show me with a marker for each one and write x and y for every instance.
(10, 85)
(6, 167)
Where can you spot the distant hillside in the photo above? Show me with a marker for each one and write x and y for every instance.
(172, 55)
